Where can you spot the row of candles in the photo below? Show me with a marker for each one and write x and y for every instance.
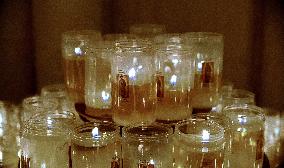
(55, 137)
(145, 99)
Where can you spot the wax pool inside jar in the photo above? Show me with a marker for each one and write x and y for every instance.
(133, 104)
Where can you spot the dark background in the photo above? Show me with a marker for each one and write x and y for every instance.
(30, 32)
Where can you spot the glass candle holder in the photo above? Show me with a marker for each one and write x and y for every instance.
(96, 145)
(247, 141)
(36, 104)
(45, 140)
(208, 53)
(147, 30)
(133, 85)
(146, 146)
(98, 86)
(74, 47)
(198, 142)
(174, 79)
(224, 122)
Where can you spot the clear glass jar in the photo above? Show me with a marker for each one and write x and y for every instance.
(96, 145)
(74, 47)
(224, 122)
(35, 105)
(133, 84)
(147, 30)
(247, 140)
(45, 140)
(146, 146)
(174, 78)
(208, 53)
(198, 142)
(98, 88)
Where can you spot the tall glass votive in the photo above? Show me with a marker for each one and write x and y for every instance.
(74, 47)
(36, 104)
(174, 80)
(147, 30)
(96, 145)
(208, 53)
(146, 146)
(98, 96)
(247, 141)
(198, 142)
(133, 84)
(45, 140)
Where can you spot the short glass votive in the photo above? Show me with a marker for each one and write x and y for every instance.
(74, 47)
(247, 139)
(45, 140)
(174, 79)
(36, 104)
(96, 145)
(208, 52)
(133, 85)
(198, 142)
(146, 146)
(98, 87)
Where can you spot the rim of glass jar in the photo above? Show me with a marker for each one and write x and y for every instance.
(214, 116)
(49, 124)
(80, 35)
(119, 36)
(95, 140)
(167, 48)
(53, 90)
(199, 36)
(212, 138)
(146, 28)
(164, 133)
(257, 111)
(168, 38)
(37, 103)
(240, 95)
(136, 45)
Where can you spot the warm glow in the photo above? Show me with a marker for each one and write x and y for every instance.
(205, 136)
(173, 80)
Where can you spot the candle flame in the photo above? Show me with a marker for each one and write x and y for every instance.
(95, 133)
(173, 80)
(78, 51)
(105, 95)
(132, 73)
(205, 136)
